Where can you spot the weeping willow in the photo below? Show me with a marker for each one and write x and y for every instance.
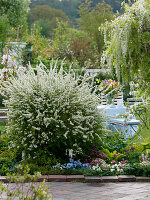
(127, 40)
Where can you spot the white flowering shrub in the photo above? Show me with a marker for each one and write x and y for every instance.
(50, 113)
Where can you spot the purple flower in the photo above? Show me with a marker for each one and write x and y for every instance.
(132, 148)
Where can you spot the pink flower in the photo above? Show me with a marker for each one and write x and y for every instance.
(124, 161)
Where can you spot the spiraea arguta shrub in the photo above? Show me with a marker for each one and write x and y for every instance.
(50, 112)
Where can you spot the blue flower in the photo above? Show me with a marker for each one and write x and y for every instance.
(75, 162)
(69, 165)
(71, 160)
(86, 165)
(79, 163)
(74, 165)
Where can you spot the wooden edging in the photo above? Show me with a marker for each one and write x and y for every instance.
(87, 179)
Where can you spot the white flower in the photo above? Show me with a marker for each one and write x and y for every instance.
(112, 170)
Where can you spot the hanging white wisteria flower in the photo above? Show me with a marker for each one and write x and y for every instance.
(51, 112)
(128, 47)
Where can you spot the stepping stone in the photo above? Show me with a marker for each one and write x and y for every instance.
(93, 179)
(109, 179)
(126, 178)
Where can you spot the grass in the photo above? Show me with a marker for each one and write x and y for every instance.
(145, 132)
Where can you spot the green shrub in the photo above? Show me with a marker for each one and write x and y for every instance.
(115, 142)
(22, 191)
(137, 170)
(57, 63)
(51, 113)
(7, 157)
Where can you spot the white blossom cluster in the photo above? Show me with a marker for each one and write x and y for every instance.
(52, 110)
(115, 168)
(118, 167)
(145, 159)
(100, 166)
(123, 28)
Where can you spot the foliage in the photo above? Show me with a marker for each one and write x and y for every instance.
(62, 42)
(4, 32)
(7, 157)
(83, 51)
(16, 11)
(70, 7)
(45, 27)
(28, 54)
(33, 191)
(128, 44)
(118, 144)
(141, 111)
(92, 17)
(49, 16)
(146, 144)
(41, 46)
(73, 45)
(50, 112)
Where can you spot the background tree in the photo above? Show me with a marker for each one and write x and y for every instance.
(73, 44)
(4, 31)
(128, 45)
(115, 4)
(16, 13)
(46, 18)
(13, 21)
(92, 17)
(69, 7)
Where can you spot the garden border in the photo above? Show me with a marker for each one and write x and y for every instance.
(87, 179)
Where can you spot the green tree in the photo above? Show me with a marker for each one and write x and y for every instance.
(45, 27)
(115, 4)
(69, 7)
(4, 31)
(15, 10)
(128, 45)
(13, 13)
(92, 17)
(50, 15)
(73, 44)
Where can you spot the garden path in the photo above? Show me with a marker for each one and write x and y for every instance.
(91, 191)
(100, 191)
